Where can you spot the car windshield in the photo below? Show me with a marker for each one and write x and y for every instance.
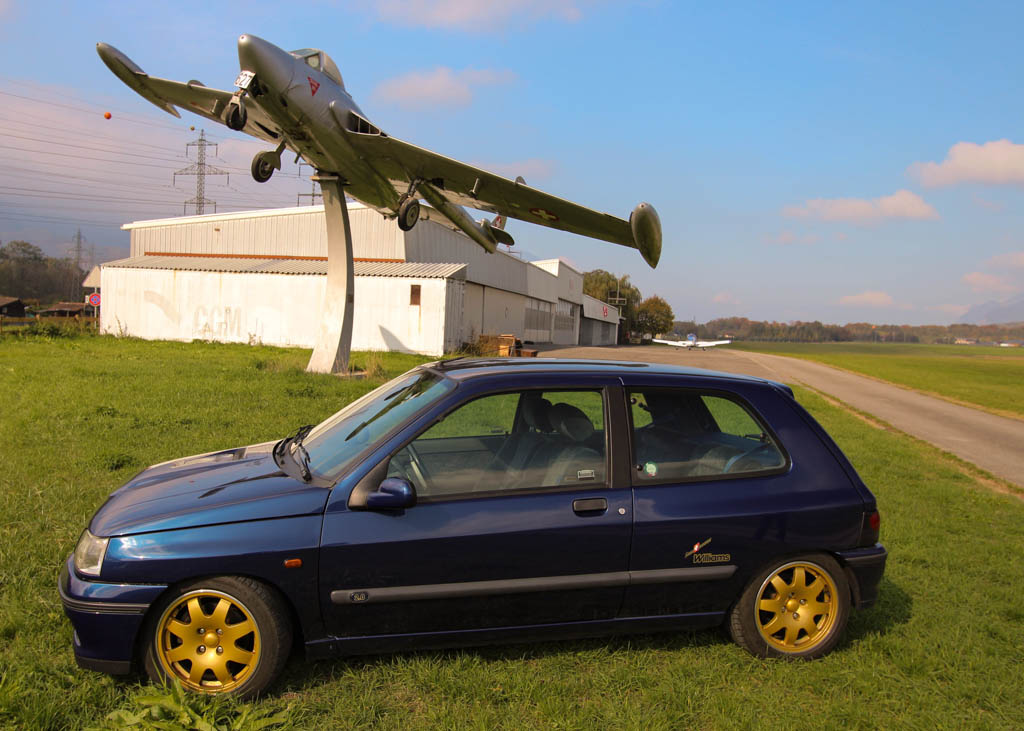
(334, 444)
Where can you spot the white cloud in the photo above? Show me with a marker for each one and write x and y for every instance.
(869, 298)
(1012, 260)
(789, 238)
(441, 86)
(901, 204)
(531, 169)
(725, 298)
(481, 16)
(1000, 162)
(954, 310)
(981, 282)
(994, 206)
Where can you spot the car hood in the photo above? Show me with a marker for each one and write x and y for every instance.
(230, 486)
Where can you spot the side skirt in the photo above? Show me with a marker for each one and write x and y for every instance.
(374, 644)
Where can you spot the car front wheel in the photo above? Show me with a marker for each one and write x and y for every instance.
(228, 634)
(795, 609)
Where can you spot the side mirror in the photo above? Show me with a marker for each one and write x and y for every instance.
(392, 494)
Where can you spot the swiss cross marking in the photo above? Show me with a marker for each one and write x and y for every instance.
(544, 213)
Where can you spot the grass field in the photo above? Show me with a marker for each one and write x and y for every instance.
(943, 648)
(992, 378)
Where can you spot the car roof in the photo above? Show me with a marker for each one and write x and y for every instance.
(469, 368)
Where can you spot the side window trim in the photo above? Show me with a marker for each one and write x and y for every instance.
(755, 414)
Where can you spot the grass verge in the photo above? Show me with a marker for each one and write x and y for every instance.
(944, 647)
(986, 377)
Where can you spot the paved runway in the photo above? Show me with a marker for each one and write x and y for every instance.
(994, 443)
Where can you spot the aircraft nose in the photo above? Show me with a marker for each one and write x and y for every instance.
(272, 65)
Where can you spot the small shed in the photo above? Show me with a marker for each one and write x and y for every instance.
(11, 307)
(63, 309)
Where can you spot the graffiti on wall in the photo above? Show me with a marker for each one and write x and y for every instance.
(216, 322)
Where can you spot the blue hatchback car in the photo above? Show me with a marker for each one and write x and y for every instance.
(479, 501)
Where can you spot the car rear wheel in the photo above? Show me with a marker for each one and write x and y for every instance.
(795, 609)
(228, 634)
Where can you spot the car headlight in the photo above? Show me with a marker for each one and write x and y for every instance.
(89, 553)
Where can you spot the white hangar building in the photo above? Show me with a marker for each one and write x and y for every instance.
(259, 277)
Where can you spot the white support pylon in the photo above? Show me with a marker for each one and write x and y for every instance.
(334, 338)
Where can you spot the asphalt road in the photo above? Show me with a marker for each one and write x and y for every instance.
(994, 443)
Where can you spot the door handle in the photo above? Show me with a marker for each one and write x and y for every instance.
(589, 505)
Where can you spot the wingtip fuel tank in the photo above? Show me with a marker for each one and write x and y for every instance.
(129, 72)
(646, 228)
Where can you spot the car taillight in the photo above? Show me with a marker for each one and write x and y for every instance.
(869, 528)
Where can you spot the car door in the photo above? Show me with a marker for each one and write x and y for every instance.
(724, 481)
(519, 520)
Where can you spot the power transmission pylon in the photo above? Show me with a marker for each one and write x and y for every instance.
(75, 284)
(200, 169)
(312, 195)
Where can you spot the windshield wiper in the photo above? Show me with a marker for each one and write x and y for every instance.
(281, 448)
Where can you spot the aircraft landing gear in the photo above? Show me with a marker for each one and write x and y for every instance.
(236, 116)
(408, 214)
(265, 163)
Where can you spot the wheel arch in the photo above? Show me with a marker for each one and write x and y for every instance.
(141, 637)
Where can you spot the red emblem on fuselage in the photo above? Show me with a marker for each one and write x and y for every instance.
(313, 86)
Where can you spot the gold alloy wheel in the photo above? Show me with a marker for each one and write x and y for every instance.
(208, 640)
(796, 609)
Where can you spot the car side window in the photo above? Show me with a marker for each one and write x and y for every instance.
(525, 440)
(681, 434)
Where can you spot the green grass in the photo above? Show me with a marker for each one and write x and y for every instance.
(943, 648)
(989, 377)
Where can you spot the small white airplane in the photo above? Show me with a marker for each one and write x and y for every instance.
(692, 342)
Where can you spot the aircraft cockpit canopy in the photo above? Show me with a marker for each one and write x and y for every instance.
(320, 61)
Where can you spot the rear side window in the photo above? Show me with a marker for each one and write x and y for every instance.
(683, 434)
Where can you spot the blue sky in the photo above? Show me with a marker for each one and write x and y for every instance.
(808, 161)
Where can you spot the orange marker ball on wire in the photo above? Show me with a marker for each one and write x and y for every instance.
(106, 115)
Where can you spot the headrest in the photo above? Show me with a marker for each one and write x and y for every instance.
(536, 411)
(571, 422)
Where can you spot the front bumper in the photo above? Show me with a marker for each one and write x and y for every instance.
(106, 618)
(865, 567)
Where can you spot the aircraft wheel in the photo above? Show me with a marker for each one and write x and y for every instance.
(262, 168)
(408, 214)
(237, 117)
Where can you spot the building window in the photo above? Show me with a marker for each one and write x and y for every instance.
(414, 295)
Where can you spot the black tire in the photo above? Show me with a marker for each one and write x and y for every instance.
(262, 169)
(408, 214)
(236, 117)
(245, 642)
(767, 621)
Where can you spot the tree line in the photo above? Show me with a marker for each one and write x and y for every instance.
(651, 316)
(741, 328)
(28, 274)
(654, 316)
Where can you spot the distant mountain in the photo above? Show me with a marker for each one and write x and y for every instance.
(995, 313)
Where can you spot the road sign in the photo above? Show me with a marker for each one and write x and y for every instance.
(94, 299)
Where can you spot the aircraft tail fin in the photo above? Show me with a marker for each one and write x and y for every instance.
(498, 222)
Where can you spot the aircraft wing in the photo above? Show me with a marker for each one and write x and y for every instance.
(674, 343)
(193, 96)
(711, 343)
(400, 163)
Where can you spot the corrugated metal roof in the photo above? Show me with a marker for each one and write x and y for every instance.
(417, 270)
